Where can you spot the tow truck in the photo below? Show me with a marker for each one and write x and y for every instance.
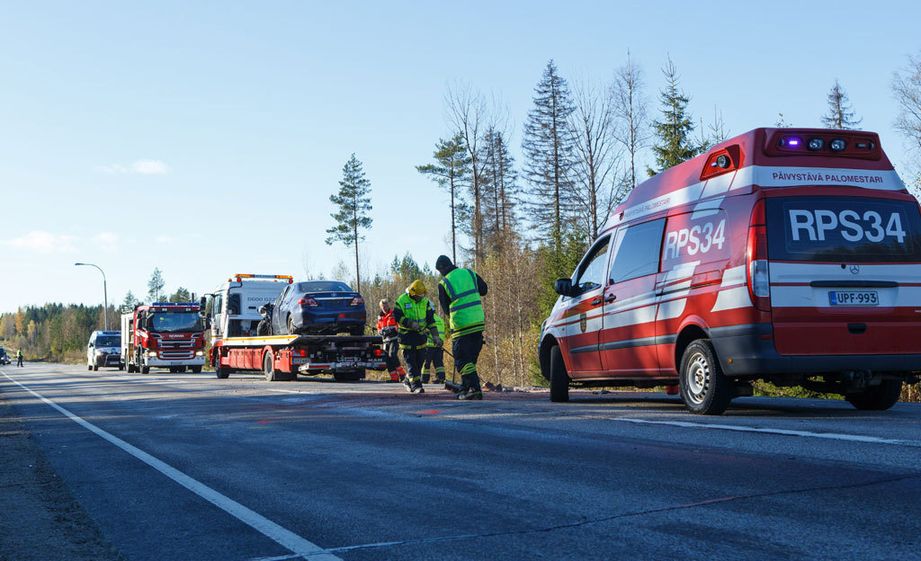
(232, 314)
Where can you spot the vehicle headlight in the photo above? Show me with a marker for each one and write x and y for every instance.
(152, 353)
(199, 353)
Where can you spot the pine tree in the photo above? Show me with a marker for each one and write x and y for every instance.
(839, 115)
(548, 150)
(450, 171)
(674, 142)
(354, 206)
(129, 303)
(181, 295)
(501, 184)
(155, 285)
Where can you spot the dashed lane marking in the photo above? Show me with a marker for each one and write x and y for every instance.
(289, 540)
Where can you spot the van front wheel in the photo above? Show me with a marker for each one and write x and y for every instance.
(877, 398)
(704, 388)
(559, 379)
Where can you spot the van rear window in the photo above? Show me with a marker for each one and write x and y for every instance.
(842, 229)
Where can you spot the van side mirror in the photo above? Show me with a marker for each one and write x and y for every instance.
(202, 304)
(563, 287)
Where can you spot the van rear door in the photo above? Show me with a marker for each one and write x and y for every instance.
(845, 274)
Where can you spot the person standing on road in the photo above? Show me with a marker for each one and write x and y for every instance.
(415, 316)
(460, 294)
(387, 328)
(19, 357)
(435, 355)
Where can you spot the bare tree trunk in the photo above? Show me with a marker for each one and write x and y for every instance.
(630, 111)
(453, 223)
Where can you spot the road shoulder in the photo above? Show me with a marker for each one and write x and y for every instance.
(39, 519)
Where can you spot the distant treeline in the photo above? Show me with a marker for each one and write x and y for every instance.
(53, 332)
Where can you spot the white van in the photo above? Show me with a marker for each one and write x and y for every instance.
(104, 349)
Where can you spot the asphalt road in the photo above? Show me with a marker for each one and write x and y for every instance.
(188, 467)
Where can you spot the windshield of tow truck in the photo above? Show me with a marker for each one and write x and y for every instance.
(172, 322)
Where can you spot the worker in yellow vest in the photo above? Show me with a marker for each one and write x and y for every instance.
(415, 316)
(460, 294)
(435, 355)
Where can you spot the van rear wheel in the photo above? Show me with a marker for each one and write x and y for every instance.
(877, 398)
(559, 379)
(704, 388)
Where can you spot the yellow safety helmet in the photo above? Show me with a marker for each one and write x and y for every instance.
(417, 289)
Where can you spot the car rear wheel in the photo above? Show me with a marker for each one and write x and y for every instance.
(704, 388)
(559, 379)
(877, 398)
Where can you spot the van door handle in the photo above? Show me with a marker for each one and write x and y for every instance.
(596, 300)
(610, 298)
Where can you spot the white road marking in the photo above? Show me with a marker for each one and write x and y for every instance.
(782, 432)
(285, 538)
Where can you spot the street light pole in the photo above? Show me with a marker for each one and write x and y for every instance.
(105, 293)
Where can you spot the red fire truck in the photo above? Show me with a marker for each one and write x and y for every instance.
(163, 335)
(788, 255)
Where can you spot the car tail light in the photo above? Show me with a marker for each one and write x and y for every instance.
(357, 301)
(757, 269)
(308, 302)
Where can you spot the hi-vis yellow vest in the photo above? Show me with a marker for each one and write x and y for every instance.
(466, 311)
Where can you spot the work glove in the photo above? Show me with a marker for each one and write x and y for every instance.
(413, 325)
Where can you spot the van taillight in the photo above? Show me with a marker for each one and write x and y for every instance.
(758, 271)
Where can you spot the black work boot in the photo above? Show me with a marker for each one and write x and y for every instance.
(425, 378)
(471, 389)
(407, 383)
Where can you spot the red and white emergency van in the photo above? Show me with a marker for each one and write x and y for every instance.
(788, 255)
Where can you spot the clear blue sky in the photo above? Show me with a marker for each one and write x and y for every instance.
(204, 138)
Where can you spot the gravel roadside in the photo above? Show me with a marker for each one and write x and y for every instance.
(39, 519)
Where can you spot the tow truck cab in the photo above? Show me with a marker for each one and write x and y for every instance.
(233, 309)
(789, 255)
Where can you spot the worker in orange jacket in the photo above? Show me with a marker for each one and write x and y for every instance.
(387, 328)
